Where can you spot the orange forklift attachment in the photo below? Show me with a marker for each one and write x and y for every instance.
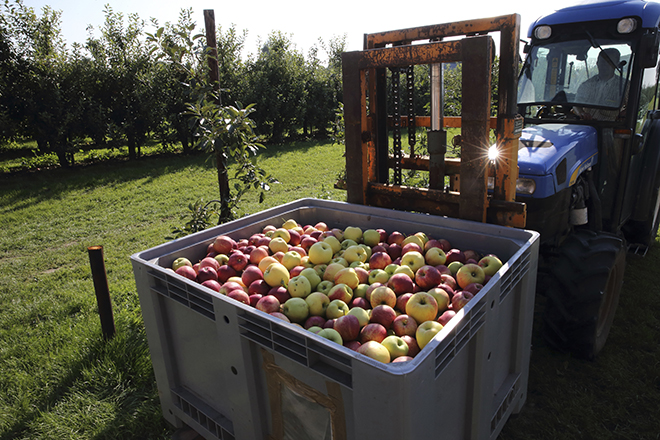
(373, 172)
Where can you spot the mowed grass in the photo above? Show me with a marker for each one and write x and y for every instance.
(59, 379)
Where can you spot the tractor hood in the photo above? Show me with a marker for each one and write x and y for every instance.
(554, 155)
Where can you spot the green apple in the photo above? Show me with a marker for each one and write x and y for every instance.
(371, 237)
(339, 260)
(454, 266)
(441, 297)
(361, 314)
(435, 256)
(355, 264)
(361, 290)
(278, 244)
(317, 302)
(312, 276)
(405, 270)
(276, 275)
(348, 243)
(413, 239)
(324, 286)
(332, 335)
(367, 249)
(331, 271)
(281, 233)
(347, 276)
(320, 253)
(334, 243)
(490, 264)
(315, 329)
(375, 350)
(426, 332)
(335, 309)
(291, 259)
(221, 258)
(290, 224)
(353, 233)
(391, 268)
(468, 274)
(378, 276)
(413, 259)
(396, 346)
(296, 309)
(356, 253)
(181, 261)
(299, 286)
(422, 307)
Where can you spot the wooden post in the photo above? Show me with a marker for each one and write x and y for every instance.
(220, 161)
(102, 291)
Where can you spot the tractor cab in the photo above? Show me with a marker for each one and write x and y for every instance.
(588, 93)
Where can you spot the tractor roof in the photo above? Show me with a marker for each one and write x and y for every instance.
(589, 10)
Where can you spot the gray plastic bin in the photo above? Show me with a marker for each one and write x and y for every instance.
(232, 372)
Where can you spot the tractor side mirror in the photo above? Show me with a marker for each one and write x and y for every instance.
(648, 49)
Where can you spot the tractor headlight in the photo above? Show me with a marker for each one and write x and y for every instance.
(543, 32)
(626, 25)
(525, 186)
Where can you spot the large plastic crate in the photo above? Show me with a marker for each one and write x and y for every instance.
(232, 372)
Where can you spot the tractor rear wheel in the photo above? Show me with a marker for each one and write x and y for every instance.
(644, 232)
(582, 288)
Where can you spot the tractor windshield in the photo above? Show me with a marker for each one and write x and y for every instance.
(588, 77)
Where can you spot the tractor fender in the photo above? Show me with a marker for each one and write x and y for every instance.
(649, 178)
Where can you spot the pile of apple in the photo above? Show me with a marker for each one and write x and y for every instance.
(385, 295)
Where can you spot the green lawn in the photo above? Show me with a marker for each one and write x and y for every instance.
(59, 379)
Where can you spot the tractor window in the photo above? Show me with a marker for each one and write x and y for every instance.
(591, 76)
(646, 97)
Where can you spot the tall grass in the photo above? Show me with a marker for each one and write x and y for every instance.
(59, 379)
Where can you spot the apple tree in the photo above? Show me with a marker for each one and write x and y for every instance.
(226, 131)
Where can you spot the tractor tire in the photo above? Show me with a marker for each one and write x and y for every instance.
(582, 288)
(643, 233)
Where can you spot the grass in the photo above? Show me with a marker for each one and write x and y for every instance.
(60, 380)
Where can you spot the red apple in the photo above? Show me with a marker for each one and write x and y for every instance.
(401, 301)
(258, 286)
(427, 277)
(348, 327)
(223, 244)
(251, 274)
(395, 237)
(281, 293)
(225, 272)
(379, 260)
(353, 345)
(473, 288)
(239, 295)
(314, 320)
(413, 347)
(460, 299)
(279, 315)
(446, 316)
(383, 315)
(394, 250)
(238, 261)
(455, 255)
(373, 332)
(188, 272)
(207, 273)
(400, 283)
(404, 325)
(449, 280)
(258, 254)
(210, 262)
(382, 295)
(408, 247)
(254, 298)
(360, 302)
(212, 284)
(268, 304)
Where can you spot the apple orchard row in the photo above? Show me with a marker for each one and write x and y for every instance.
(385, 295)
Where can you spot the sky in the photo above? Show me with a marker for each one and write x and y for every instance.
(303, 21)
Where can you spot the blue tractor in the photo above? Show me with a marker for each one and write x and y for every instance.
(589, 158)
(577, 146)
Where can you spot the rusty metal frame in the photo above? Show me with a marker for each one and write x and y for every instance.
(367, 160)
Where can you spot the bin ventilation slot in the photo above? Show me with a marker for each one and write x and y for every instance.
(514, 274)
(301, 349)
(179, 291)
(501, 415)
(459, 336)
(203, 415)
